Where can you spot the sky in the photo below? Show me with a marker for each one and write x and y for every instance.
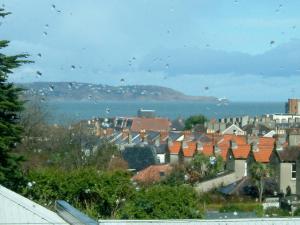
(239, 49)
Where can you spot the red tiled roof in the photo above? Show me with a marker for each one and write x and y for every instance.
(262, 156)
(266, 141)
(152, 173)
(190, 150)
(174, 148)
(208, 149)
(150, 124)
(241, 152)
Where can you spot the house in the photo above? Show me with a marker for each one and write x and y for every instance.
(139, 157)
(137, 124)
(284, 165)
(174, 152)
(234, 129)
(189, 149)
(152, 174)
(261, 151)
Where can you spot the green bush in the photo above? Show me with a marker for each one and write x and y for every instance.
(276, 212)
(242, 207)
(163, 202)
(297, 212)
(95, 192)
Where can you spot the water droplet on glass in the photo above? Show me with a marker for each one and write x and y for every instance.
(39, 73)
(45, 33)
(53, 6)
(51, 87)
(272, 42)
(39, 55)
(206, 88)
(167, 66)
(107, 110)
(73, 67)
(47, 25)
(70, 85)
(90, 97)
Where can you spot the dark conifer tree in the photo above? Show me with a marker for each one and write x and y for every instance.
(10, 107)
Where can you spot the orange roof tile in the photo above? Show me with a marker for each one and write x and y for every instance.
(266, 141)
(241, 152)
(208, 149)
(152, 173)
(190, 150)
(262, 156)
(174, 148)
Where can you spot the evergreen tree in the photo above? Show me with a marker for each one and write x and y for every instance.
(10, 108)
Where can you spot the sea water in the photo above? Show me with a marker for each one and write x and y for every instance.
(70, 111)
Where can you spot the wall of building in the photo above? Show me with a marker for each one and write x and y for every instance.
(286, 178)
(294, 139)
(216, 182)
(174, 158)
(240, 168)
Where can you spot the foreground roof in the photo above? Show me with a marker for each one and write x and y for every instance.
(16, 209)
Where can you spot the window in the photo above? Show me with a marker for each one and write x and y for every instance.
(293, 171)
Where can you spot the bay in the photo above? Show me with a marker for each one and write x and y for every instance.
(71, 111)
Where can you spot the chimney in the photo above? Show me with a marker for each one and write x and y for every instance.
(278, 146)
(163, 135)
(233, 144)
(199, 146)
(187, 134)
(143, 135)
(184, 144)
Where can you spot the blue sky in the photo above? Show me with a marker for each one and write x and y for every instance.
(243, 50)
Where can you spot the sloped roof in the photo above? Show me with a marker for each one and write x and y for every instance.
(152, 173)
(16, 209)
(190, 149)
(290, 154)
(241, 152)
(174, 148)
(208, 149)
(150, 124)
(262, 156)
(264, 149)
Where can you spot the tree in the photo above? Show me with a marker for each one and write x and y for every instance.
(203, 166)
(10, 107)
(194, 120)
(259, 172)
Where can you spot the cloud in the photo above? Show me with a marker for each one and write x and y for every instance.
(279, 61)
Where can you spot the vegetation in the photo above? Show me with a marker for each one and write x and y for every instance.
(195, 120)
(259, 173)
(276, 212)
(162, 202)
(10, 107)
(203, 167)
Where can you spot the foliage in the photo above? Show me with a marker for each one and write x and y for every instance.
(241, 207)
(276, 212)
(162, 202)
(66, 147)
(297, 212)
(176, 177)
(98, 193)
(194, 120)
(203, 166)
(10, 107)
(259, 172)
